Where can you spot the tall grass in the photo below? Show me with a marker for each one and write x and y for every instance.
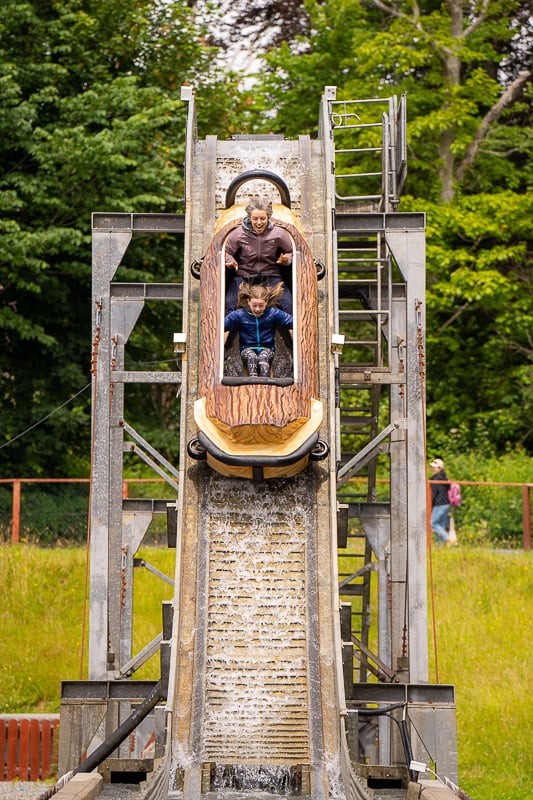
(43, 620)
(483, 607)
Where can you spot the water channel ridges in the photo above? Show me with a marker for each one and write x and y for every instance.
(256, 704)
(255, 698)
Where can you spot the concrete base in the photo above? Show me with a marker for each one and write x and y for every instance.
(429, 790)
(83, 786)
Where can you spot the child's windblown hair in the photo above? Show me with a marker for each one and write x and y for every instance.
(270, 294)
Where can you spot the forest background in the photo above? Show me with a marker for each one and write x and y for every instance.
(92, 121)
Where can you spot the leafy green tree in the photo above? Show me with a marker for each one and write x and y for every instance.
(91, 121)
(480, 307)
(465, 71)
(462, 65)
(295, 73)
(458, 52)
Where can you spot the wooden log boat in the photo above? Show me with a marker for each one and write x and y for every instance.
(249, 427)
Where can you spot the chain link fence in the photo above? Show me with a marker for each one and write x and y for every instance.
(55, 512)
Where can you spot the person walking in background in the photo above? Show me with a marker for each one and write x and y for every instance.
(255, 253)
(440, 503)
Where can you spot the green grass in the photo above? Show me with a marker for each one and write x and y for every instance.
(483, 608)
(42, 621)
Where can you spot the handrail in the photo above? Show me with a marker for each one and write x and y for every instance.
(17, 486)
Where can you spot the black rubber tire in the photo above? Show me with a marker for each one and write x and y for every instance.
(320, 451)
(195, 268)
(196, 451)
(320, 269)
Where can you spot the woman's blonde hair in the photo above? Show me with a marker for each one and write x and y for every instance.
(258, 291)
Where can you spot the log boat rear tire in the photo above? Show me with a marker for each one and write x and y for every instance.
(196, 451)
(195, 268)
(320, 269)
(320, 451)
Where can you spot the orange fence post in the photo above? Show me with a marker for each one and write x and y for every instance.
(15, 518)
(12, 741)
(526, 515)
(24, 749)
(3, 740)
(48, 733)
(35, 749)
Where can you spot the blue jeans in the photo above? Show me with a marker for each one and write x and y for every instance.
(440, 520)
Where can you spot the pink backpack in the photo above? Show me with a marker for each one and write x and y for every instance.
(454, 494)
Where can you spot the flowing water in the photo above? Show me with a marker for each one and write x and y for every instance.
(256, 701)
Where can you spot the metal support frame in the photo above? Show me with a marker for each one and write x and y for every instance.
(397, 535)
(395, 532)
(367, 452)
(116, 532)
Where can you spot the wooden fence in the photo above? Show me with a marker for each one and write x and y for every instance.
(29, 744)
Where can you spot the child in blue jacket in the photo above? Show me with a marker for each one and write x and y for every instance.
(256, 319)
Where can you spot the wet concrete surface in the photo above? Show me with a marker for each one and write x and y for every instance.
(32, 790)
(22, 790)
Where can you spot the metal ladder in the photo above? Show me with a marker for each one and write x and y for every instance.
(369, 150)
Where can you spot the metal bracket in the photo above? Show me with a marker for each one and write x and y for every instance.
(355, 463)
(157, 458)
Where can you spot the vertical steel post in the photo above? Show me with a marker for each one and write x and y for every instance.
(15, 515)
(526, 515)
(108, 250)
(399, 511)
(408, 249)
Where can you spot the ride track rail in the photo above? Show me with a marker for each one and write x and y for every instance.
(253, 676)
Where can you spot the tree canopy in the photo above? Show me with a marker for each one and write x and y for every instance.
(92, 121)
(465, 69)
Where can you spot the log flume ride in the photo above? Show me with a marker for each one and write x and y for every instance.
(258, 427)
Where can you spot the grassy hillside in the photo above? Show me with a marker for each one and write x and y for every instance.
(483, 607)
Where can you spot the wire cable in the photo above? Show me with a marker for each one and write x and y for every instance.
(40, 422)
